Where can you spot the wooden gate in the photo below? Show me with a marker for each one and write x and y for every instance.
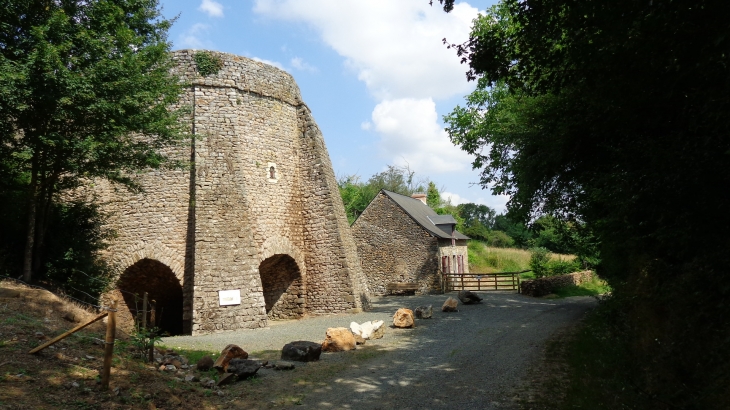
(482, 281)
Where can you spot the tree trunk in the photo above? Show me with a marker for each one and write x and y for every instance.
(30, 234)
(45, 199)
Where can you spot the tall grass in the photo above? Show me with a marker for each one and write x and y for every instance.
(486, 259)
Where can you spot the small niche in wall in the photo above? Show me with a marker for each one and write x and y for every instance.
(272, 173)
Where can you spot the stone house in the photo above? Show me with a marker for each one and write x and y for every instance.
(401, 239)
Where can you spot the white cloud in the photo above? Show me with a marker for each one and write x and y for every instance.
(455, 199)
(394, 47)
(496, 202)
(300, 64)
(193, 37)
(211, 8)
(366, 125)
(269, 62)
(411, 135)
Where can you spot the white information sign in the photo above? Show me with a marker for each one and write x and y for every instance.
(229, 297)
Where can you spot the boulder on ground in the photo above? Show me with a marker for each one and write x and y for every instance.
(204, 364)
(368, 330)
(450, 305)
(424, 312)
(301, 351)
(338, 339)
(467, 297)
(229, 353)
(403, 318)
(378, 329)
(358, 339)
(243, 368)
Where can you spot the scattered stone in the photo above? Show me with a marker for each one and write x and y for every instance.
(161, 368)
(338, 339)
(450, 305)
(243, 368)
(170, 368)
(90, 357)
(301, 351)
(424, 312)
(378, 330)
(220, 393)
(225, 378)
(359, 339)
(191, 378)
(284, 365)
(204, 364)
(9, 293)
(403, 318)
(75, 385)
(177, 363)
(229, 353)
(367, 329)
(207, 383)
(468, 297)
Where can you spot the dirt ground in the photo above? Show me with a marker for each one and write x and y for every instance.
(479, 358)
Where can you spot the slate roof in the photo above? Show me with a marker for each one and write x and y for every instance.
(437, 225)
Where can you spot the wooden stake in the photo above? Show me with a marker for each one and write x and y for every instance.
(111, 328)
(67, 334)
(144, 311)
(153, 309)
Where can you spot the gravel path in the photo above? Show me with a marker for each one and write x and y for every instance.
(470, 359)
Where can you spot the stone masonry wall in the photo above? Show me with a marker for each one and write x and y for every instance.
(394, 248)
(545, 286)
(262, 187)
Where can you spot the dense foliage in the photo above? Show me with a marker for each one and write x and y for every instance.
(612, 116)
(85, 91)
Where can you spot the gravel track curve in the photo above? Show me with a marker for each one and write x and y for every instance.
(471, 359)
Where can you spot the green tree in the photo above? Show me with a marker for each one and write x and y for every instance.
(614, 114)
(356, 195)
(433, 197)
(85, 88)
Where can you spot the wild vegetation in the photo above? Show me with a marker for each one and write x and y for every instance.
(78, 102)
(611, 116)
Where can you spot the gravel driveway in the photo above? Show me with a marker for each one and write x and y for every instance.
(470, 359)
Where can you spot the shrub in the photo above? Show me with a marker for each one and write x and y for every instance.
(539, 259)
(207, 63)
(561, 266)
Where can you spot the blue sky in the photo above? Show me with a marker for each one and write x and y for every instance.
(374, 73)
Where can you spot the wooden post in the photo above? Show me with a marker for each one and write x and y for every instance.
(153, 310)
(111, 328)
(144, 311)
(65, 335)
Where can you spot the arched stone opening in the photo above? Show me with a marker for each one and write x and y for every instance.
(283, 288)
(162, 286)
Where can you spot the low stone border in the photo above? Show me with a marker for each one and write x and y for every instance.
(545, 286)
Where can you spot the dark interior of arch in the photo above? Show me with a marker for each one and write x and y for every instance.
(282, 285)
(158, 280)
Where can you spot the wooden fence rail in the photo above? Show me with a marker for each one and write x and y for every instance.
(482, 281)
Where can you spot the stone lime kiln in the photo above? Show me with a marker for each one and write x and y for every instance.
(255, 230)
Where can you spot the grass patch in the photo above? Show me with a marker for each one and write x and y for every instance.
(594, 287)
(487, 259)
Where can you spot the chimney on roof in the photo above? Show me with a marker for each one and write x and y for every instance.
(421, 197)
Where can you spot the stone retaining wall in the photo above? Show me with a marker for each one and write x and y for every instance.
(545, 286)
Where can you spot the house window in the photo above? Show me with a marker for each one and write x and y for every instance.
(445, 264)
